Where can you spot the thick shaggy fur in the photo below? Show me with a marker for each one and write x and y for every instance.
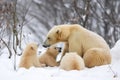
(29, 57)
(49, 57)
(89, 45)
(72, 61)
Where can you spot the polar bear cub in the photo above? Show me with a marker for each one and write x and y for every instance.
(49, 57)
(29, 57)
(72, 61)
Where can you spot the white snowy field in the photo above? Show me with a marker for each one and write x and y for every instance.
(105, 72)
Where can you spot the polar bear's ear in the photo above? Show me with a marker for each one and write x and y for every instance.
(58, 31)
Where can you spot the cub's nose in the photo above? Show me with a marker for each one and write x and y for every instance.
(59, 49)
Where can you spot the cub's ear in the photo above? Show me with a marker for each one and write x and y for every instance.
(32, 48)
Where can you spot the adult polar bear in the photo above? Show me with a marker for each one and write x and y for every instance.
(89, 45)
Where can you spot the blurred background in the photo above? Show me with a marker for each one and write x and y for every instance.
(30, 20)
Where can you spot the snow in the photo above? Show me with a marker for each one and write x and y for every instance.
(105, 72)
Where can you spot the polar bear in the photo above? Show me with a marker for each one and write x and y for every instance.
(89, 45)
(72, 61)
(29, 57)
(49, 57)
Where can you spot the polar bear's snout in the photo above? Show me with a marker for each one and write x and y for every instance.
(45, 44)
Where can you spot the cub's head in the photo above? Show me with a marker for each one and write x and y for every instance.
(31, 48)
(53, 50)
(56, 34)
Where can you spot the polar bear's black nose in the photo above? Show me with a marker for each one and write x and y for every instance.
(46, 46)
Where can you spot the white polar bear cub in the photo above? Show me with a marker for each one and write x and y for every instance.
(72, 61)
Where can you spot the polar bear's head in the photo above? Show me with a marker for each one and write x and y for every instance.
(57, 34)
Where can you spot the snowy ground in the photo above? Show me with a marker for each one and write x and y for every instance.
(54, 73)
